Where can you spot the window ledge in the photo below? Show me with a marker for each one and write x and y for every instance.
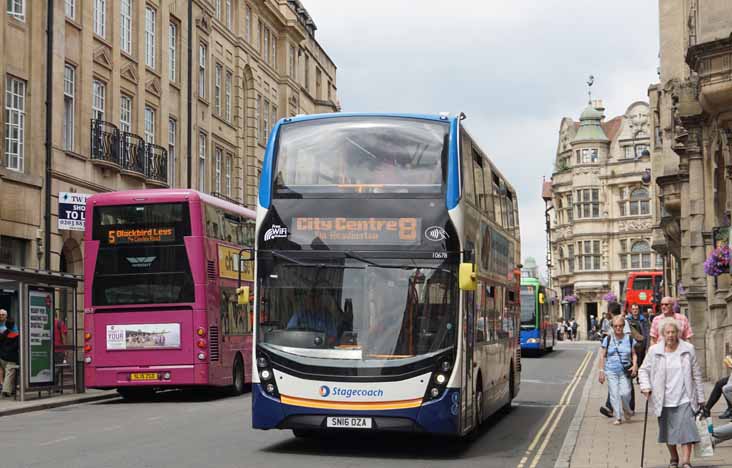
(129, 57)
(175, 84)
(76, 155)
(204, 101)
(72, 22)
(16, 23)
(102, 40)
(21, 177)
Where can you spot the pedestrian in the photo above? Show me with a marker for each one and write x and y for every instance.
(671, 379)
(574, 326)
(9, 357)
(618, 364)
(719, 390)
(667, 311)
(593, 326)
(605, 325)
(640, 330)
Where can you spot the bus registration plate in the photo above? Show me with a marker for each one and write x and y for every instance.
(144, 376)
(349, 422)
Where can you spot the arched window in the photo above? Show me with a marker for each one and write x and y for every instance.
(638, 203)
(640, 255)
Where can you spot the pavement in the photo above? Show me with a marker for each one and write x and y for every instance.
(592, 440)
(10, 406)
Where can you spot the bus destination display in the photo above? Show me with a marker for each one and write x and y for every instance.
(389, 231)
(140, 236)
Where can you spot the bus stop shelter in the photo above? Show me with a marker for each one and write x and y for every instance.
(43, 305)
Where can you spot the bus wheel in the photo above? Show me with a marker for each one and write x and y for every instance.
(237, 386)
(136, 393)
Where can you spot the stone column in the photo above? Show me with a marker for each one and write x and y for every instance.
(693, 252)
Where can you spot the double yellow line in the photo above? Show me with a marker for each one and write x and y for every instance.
(554, 417)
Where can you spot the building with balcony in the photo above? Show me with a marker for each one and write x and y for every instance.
(600, 208)
(692, 164)
(119, 103)
(129, 109)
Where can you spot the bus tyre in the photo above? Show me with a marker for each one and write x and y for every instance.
(135, 393)
(237, 385)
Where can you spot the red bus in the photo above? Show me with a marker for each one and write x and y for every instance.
(639, 289)
(160, 307)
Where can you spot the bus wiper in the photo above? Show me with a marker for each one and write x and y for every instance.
(313, 264)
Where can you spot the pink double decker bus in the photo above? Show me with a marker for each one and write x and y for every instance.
(161, 270)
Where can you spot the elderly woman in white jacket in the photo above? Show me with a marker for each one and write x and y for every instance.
(670, 376)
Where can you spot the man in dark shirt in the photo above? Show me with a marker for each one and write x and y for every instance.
(9, 357)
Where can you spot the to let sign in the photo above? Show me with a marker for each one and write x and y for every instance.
(72, 210)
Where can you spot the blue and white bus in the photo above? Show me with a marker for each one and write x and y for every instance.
(386, 283)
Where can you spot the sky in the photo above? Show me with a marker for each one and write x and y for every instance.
(514, 67)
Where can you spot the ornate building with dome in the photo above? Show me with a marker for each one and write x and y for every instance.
(601, 208)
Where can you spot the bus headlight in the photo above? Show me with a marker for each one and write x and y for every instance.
(270, 388)
(88, 360)
(435, 392)
(265, 374)
(166, 376)
(440, 379)
(445, 366)
(532, 340)
(262, 362)
(201, 356)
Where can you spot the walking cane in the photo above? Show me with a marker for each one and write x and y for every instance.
(645, 425)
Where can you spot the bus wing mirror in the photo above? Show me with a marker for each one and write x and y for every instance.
(541, 298)
(242, 295)
(467, 277)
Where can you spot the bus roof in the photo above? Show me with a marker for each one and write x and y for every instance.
(166, 196)
(339, 115)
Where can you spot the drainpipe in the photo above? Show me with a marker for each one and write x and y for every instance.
(49, 131)
(189, 137)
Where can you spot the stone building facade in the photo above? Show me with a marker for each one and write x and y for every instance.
(692, 163)
(601, 208)
(119, 96)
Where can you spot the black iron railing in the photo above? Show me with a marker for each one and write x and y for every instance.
(156, 163)
(128, 151)
(132, 153)
(104, 137)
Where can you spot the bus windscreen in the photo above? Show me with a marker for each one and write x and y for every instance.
(142, 257)
(528, 306)
(361, 155)
(352, 310)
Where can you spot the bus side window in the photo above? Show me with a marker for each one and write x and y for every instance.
(480, 313)
(487, 174)
(466, 165)
(478, 178)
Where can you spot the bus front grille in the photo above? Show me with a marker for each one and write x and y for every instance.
(213, 335)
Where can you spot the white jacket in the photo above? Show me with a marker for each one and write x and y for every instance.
(652, 375)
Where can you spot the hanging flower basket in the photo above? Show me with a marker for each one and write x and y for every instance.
(610, 297)
(718, 261)
(571, 299)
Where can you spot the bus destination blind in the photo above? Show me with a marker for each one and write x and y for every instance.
(140, 236)
(381, 231)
